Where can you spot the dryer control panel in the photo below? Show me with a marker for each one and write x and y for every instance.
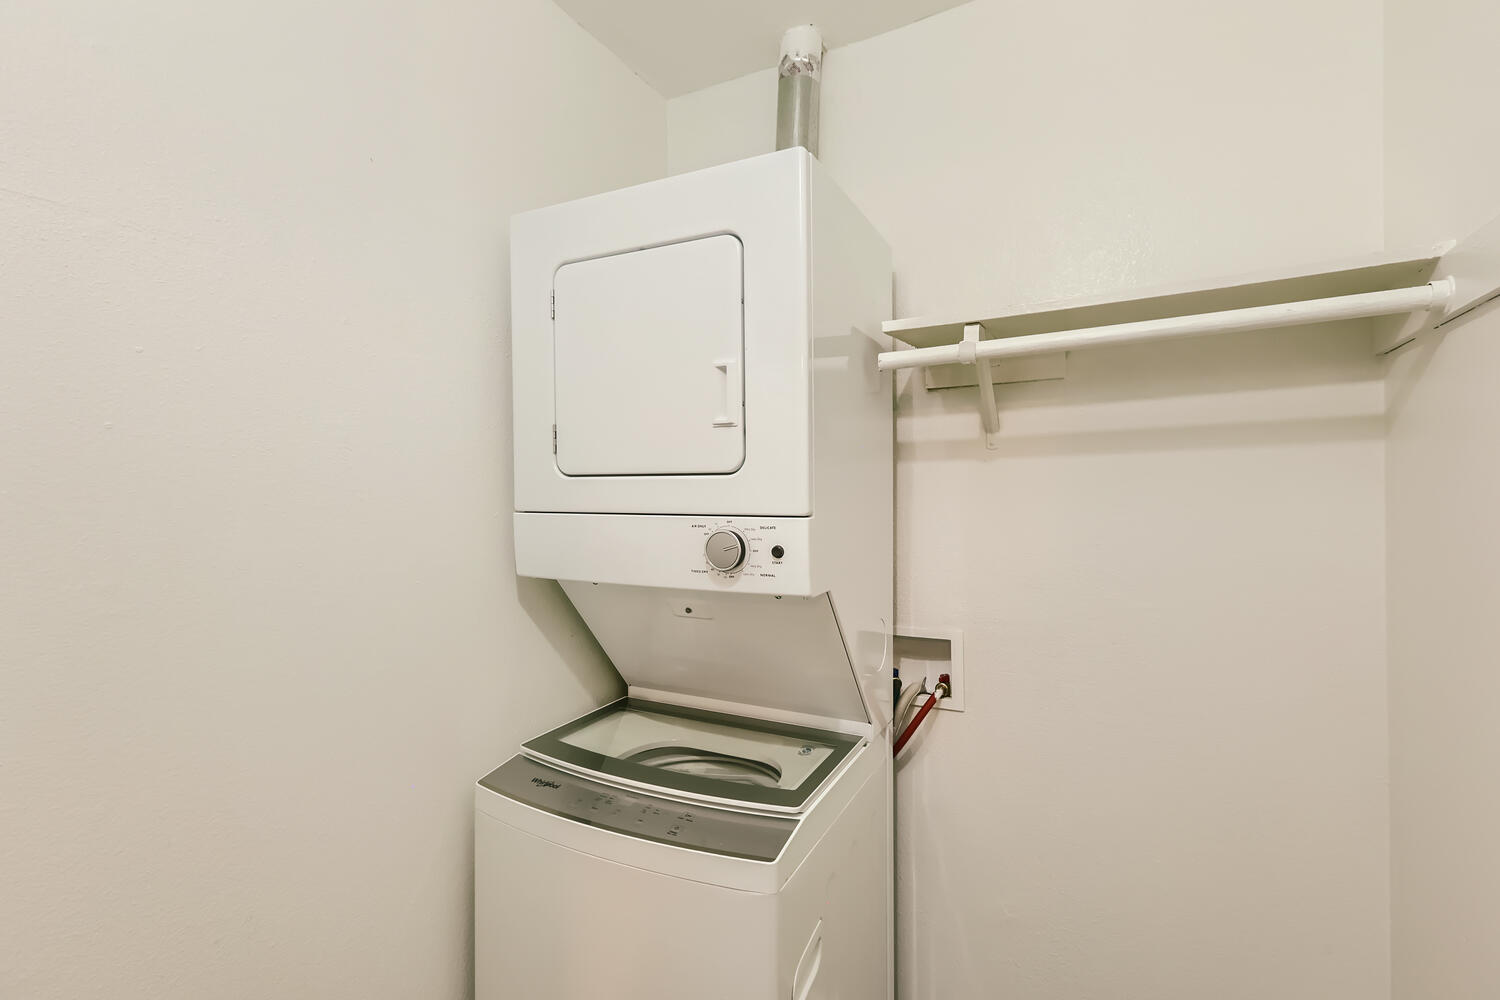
(736, 547)
(638, 814)
(732, 553)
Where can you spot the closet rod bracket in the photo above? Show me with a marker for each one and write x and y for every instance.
(989, 413)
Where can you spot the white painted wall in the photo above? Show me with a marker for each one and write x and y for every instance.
(1171, 780)
(259, 626)
(1442, 160)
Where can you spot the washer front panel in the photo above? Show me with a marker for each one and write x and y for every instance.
(645, 817)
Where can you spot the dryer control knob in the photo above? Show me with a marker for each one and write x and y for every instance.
(725, 550)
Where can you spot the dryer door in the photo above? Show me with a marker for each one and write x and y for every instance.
(662, 347)
(648, 369)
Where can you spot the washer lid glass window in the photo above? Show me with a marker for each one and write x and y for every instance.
(698, 752)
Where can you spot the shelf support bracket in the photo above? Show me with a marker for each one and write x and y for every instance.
(989, 415)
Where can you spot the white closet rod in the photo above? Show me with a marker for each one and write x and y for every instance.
(1366, 304)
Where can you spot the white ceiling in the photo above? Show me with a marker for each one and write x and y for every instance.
(679, 46)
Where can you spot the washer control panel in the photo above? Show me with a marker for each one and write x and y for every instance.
(638, 814)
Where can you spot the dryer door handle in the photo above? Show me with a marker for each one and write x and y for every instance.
(731, 395)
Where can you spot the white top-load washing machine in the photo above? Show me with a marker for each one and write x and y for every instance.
(703, 458)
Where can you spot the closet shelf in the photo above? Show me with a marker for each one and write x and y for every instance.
(1403, 293)
(1372, 273)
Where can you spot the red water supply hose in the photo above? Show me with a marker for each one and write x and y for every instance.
(932, 699)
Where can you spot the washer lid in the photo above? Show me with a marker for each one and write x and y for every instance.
(784, 653)
(699, 753)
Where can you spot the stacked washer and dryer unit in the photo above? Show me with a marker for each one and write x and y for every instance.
(703, 459)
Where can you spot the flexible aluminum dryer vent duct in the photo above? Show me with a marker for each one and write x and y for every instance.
(799, 79)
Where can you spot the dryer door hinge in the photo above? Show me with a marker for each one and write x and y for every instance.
(554, 305)
(554, 439)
